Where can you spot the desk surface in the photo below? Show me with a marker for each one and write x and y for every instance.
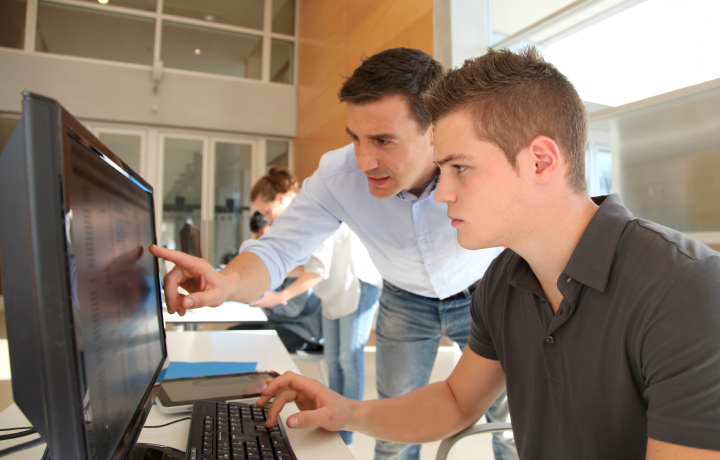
(263, 347)
(229, 312)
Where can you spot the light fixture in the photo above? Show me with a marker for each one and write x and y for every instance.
(104, 2)
(197, 51)
(209, 17)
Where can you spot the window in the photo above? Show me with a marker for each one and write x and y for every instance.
(277, 154)
(242, 13)
(12, 23)
(214, 51)
(233, 38)
(64, 29)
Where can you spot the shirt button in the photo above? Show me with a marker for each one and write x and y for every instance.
(550, 340)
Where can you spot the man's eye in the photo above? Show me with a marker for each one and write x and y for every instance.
(382, 141)
(460, 168)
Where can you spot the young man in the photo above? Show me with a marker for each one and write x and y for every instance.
(604, 327)
(382, 187)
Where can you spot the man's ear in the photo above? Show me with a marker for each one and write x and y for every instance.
(279, 198)
(548, 160)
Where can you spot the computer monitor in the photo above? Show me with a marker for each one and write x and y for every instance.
(190, 240)
(82, 294)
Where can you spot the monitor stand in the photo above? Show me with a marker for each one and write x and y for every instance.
(143, 451)
(146, 452)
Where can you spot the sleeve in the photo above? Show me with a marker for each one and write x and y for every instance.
(480, 339)
(321, 259)
(301, 229)
(681, 359)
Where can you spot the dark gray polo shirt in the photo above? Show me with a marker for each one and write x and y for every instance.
(633, 351)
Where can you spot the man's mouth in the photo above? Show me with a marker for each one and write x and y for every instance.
(378, 180)
(454, 221)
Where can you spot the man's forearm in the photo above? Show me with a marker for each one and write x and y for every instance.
(249, 275)
(428, 414)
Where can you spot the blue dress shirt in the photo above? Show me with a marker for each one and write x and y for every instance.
(409, 239)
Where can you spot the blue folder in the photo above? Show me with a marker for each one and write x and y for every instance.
(179, 369)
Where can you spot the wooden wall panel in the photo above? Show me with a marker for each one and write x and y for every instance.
(332, 36)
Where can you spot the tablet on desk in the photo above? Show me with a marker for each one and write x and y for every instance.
(177, 395)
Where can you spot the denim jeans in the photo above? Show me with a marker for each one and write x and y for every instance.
(408, 333)
(345, 340)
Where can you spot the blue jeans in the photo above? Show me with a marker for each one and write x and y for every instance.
(408, 333)
(345, 340)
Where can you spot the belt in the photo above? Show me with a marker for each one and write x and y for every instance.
(464, 294)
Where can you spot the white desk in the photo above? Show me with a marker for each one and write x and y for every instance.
(229, 312)
(263, 347)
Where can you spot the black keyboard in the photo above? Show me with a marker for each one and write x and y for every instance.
(235, 431)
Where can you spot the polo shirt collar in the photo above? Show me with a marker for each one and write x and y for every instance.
(593, 256)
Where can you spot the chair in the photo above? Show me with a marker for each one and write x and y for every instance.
(447, 443)
(302, 357)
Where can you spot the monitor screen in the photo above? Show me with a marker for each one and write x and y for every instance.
(114, 290)
(82, 293)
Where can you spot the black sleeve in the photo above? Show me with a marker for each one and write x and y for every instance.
(480, 340)
(681, 359)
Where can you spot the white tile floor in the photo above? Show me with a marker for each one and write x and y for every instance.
(474, 447)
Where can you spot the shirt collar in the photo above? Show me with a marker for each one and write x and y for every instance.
(593, 256)
(592, 259)
(407, 196)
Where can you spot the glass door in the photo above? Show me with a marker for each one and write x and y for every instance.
(205, 182)
(182, 185)
(128, 145)
(231, 184)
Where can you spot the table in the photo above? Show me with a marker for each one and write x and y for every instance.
(229, 312)
(263, 347)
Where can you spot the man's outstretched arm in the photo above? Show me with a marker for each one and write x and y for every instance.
(430, 413)
(244, 279)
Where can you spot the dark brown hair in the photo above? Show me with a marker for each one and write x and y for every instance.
(277, 180)
(513, 98)
(405, 71)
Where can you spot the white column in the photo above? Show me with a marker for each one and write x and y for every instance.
(463, 29)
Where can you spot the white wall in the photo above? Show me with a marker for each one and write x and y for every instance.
(96, 90)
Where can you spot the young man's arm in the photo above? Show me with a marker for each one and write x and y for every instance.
(659, 450)
(430, 413)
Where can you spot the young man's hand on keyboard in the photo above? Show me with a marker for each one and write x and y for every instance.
(430, 413)
(319, 405)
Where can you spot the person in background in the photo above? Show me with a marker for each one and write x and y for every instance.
(258, 225)
(342, 275)
(293, 312)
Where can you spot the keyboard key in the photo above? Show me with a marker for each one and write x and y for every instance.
(277, 440)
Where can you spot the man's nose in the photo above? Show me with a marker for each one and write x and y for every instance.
(365, 157)
(444, 192)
